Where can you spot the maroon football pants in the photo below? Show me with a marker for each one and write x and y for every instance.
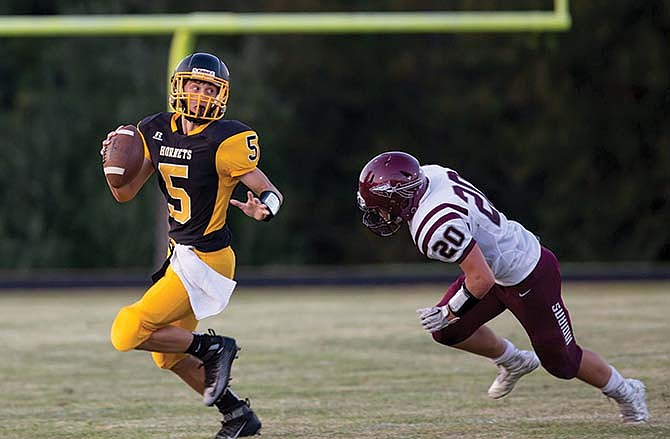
(536, 302)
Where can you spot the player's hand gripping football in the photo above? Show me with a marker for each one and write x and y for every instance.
(108, 141)
(435, 318)
(253, 207)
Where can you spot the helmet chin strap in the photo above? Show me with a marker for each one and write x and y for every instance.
(196, 120)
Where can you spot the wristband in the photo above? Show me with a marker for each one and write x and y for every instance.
(271, 200)
(462, 301)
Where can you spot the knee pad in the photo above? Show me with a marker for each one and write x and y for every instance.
(167, 361)
(564, 372)
(450, 336)
(562, 363)
(126, 330)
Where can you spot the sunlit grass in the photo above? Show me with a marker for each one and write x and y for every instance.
(323, 363)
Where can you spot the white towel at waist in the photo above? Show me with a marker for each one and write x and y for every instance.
(208, 291)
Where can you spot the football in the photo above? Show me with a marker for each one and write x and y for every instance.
(123, 158)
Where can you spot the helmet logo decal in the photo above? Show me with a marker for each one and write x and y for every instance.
(405, 190)
(203, 71)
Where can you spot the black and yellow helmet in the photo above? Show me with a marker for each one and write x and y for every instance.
(202, 67)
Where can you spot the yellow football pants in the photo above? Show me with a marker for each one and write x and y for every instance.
(165, 303)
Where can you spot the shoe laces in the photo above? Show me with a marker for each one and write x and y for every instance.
(513, 366)
(212, 333)
(629, 401)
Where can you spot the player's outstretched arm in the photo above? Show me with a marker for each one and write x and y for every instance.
(479, 278)
(270, 199)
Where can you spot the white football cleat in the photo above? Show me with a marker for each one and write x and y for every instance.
(630, 396)
(509, 373)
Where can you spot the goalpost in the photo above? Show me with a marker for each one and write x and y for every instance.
(185, 27)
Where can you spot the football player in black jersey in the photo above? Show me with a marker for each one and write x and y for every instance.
(198, 158)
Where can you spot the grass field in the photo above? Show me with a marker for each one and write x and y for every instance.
(323, 363)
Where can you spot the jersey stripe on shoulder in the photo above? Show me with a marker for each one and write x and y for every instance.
(429, 234)
(434, 212)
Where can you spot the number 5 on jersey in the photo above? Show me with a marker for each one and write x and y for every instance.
(170, 171)
(252, 144)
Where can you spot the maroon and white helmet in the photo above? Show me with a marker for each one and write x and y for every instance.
(389, 189)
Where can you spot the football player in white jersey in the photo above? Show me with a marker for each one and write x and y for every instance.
(504, 267)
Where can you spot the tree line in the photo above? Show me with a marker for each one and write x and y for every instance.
(567, 133)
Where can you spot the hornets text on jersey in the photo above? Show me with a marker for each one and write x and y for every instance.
(197, 174)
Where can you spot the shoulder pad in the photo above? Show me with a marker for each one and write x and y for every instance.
(155, 117)
(223, 129)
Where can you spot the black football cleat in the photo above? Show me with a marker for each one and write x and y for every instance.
(238, 418)
(217, 363)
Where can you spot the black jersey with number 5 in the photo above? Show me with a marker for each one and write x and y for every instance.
(197, 174)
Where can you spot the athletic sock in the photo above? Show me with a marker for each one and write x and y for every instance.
(510, 352)
(227, 400)
(614, 382)
(200, 345)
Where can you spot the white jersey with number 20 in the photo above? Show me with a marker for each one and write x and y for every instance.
(453, 215)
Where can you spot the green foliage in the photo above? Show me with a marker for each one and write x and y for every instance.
(60, 213)
(567, 133)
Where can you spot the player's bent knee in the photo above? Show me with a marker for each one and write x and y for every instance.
(449, 337)
(561, 363)
(564, 372)
(167, 361)
(125, 330)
